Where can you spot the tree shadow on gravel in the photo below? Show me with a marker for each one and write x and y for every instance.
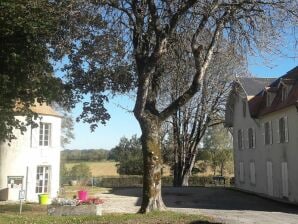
(217, 198)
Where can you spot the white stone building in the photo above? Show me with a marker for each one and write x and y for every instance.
(32, 162)
(263, 114)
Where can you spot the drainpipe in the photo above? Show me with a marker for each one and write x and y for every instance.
(27, 181)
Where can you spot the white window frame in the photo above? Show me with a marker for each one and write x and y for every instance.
(45, 134)
(43, 179)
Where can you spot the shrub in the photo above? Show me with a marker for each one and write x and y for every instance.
(137, 181)
(80, 172)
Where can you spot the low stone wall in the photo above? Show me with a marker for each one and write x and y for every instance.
(59, 210)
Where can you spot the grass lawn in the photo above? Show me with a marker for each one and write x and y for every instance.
(34, 213)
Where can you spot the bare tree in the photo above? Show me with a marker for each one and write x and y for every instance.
(190, 122)
(144, 29)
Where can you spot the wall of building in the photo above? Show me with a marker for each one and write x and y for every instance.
(276, 152)
(22, 157)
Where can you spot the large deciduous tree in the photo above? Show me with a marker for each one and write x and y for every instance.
(25, 71)
(138, 33)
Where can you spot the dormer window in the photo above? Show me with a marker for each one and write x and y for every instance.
(284, 93)
(269, 99)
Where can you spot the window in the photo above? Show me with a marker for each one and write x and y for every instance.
(42, 179)
(240, 139)
(44, 134)
(241, 172)
(252, 172)
(268, 99)
(251, 138)
(283, 130)
(268, 133)
(244, 107)
(15, 182)
(284, 93)
(284, 178)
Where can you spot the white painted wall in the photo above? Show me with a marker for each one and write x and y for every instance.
(277, 153)
(24, 155)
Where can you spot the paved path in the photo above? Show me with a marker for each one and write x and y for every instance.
(224, 205)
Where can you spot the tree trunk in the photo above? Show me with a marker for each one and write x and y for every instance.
(182, 174)
(221, 169)
(182, 179)
(151, 147)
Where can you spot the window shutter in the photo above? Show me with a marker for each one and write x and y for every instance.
(254, 137)
(243, 140)
(34, 137)
(277, 130)
(235, 138)
(286, 129)
(271, 132)
(284, 174)
(246, 139)
(241, 172)
(252, 173)
(263, 132)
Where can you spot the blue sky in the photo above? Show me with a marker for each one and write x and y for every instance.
(122, 123)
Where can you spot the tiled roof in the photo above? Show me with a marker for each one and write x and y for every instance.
(257, 104)
(252, 86)
(44, 109)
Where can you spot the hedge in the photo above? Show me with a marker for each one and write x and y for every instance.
(136, 181)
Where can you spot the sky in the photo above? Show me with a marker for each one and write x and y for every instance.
(124, 124)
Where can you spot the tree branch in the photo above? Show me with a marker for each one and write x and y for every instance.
(201, 70)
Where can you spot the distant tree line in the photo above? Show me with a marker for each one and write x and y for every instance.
(84, 155)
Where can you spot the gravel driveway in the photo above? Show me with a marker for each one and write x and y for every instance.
(224, 205)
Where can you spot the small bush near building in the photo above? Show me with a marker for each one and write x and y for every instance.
(81, 173)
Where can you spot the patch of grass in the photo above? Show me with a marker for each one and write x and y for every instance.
(151, 218)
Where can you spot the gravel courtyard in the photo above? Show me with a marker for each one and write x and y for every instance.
(224, 205)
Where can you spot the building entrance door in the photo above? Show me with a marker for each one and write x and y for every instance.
(42, 179)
